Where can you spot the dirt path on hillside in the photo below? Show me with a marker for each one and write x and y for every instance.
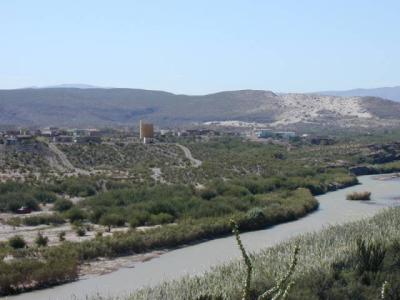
(64, 162)
(195, 162)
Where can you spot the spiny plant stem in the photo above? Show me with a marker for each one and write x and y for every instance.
(247, 261)
(281, 289)
(384, 290)
(283, 285)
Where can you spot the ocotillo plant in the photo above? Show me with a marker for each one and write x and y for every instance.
(384, 290)
(281, 289)
(283, 285)
(247, 261)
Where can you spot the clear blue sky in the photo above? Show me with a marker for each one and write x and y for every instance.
(202, 46)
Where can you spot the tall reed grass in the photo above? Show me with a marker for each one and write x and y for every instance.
(319, 251)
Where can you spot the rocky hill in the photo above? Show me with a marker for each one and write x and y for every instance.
(109, 107)
(391, 93)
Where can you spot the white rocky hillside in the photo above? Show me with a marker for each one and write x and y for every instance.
(299, 108)
(315, 110)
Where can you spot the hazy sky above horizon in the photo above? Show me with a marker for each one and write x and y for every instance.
(198, 47)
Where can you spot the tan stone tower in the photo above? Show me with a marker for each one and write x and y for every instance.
(146, 132)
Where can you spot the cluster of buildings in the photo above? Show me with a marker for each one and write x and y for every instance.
(80, 136)
(21, 140)
(148, 133)
(269, 133)
(21, 137)
(286, 135)
(194, 133)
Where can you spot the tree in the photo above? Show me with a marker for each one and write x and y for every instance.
(110, 220)
(80, 231)
(63, 205)
(45, 196)
(75, 214)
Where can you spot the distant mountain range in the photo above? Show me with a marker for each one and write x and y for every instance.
(79, 107)
(391, 93)
(67, 85)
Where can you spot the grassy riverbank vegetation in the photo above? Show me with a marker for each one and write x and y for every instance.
(174, 203)
(32, 268)
(390, 167)
(349, 261)
(272, 210)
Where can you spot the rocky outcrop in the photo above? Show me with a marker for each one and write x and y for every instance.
(384, 153)
(363, 170)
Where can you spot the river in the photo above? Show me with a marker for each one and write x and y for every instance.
(195, 259)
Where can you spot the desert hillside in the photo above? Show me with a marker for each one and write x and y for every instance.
(110, 107)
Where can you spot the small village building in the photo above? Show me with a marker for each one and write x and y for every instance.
(264, 133)
(87, 139)
(11, 140)
(285, 134)
(63, 139)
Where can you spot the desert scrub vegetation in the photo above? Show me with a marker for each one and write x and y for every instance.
(233, 157)
(350, 261)
(80, 186)
(124, 156)
(190, 230)
(36, 220)
(34, 160)
(359, 196)
(37, 268)
(257, 185)
(159, 204)
(17, 242)
(227, 157)
(13, 195)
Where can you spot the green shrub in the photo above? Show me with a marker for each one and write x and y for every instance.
(14, 200)
(80, 231)
(138, 218)
(43, 219)
(110, 220)
(45, 196)
(75, 214)
(41, 240)
(61, 236)
(17, 242)
(78, 186)
(62, 205)
(15, 221)
(161, 218)
(255, 219)
(57, 265)
(208, 194)
(359, 196)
